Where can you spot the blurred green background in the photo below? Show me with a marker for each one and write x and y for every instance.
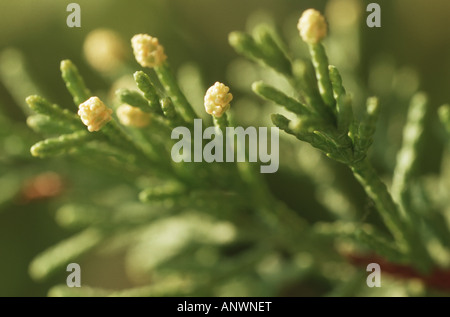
(414, 34)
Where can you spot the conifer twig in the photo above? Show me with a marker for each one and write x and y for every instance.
(74, 82)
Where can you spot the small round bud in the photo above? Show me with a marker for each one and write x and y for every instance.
(312, 26)
(132, 116)
(147, 50)
(104, 50)
(217, 99)
(94, 114)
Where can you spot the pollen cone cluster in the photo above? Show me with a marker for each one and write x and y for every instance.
(217, 99)
(94, 114)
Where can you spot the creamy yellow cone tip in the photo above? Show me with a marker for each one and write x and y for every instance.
(94, 114)
(312, 26)
(147, 50)
(217, 99)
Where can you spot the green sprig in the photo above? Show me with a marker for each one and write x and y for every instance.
(274, 55)
(74, 82)
(133, 98)
(300, 132)
(42, 106)
(366, 129)
(168, 108)
(407, 156)
(59, 256)
(270, 93)
(344, 109)
(173, 90)
(378, 192)
(246, 45)
(46, 125)
(145, 85)
(119, 138)
(320, 61)
(264, 49)
(60, 145)
(305, 81)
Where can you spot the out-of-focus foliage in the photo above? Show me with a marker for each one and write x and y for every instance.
(194, 244)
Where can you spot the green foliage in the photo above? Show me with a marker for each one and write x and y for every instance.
(222, 228)
(331, 127)
(74, 83)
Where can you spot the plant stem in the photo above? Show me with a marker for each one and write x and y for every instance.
(42, 106)
(59, 145)
(273, 94)
(409, 153)
(378, 192)
(221, 123)
(173, 90)
(320, 62)
(117, 136)
(145, 85)
(74, 82)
